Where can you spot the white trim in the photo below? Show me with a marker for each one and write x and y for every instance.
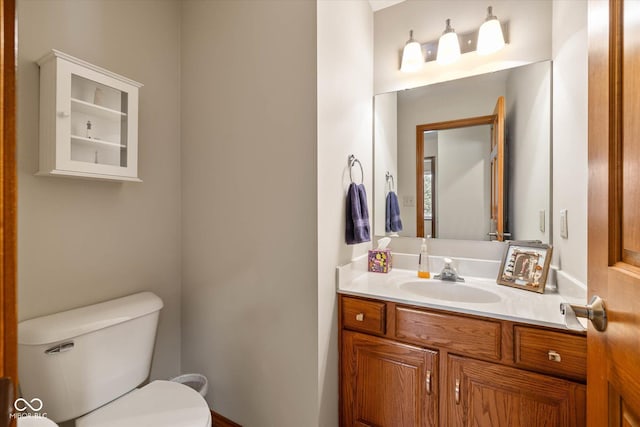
(57, 53)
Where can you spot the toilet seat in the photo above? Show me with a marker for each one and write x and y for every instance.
(158, 404)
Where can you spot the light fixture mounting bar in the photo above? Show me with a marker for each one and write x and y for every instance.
(468, 43)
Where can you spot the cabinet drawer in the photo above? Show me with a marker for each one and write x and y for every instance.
(363, 315)
(551, 352)
(473, 337)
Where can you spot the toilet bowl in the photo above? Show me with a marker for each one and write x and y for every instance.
(86, 364)
(30, 421)
(158, 404)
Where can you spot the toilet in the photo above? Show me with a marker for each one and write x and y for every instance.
(86, 364)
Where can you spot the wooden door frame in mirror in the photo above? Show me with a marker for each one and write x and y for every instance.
(420, 130)
(8, 188)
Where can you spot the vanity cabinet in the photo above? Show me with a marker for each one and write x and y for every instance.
(88, 120)
(404, 365)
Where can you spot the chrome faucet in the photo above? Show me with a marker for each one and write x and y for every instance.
(449, 272)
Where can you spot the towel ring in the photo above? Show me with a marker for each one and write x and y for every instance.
(389, 177)
(352, 161)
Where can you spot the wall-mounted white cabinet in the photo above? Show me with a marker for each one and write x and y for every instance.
(88, 120)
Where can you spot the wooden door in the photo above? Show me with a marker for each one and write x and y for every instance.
(497, 170)
(482, 394)
(613, 356)
(8, 327)
(388, 384)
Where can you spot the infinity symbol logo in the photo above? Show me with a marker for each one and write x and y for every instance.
(21, 404)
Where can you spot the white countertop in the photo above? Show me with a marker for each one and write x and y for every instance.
(503, 303)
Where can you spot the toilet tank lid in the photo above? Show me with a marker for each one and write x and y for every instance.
(79, 321)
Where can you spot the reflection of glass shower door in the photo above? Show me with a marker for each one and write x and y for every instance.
(429, 189)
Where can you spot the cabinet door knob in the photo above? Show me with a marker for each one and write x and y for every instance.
(428, 382)
(64, 114)
(554, 356)
(457, 392)
(360, 317)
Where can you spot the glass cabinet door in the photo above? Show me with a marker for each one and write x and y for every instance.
(96, 115)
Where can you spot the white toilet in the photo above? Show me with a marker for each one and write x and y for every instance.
(86, 363)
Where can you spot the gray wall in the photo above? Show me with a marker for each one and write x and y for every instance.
(250, 300)
(82, 241)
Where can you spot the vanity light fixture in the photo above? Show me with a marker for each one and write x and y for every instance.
(448, 46)
(490, 37)
(412, 58)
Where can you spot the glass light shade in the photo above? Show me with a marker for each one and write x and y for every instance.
(448, 48)
(490, 37)
(412, 58)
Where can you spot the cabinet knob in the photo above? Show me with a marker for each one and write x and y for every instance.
(360, 317)
(428, 382)
(64, 114)
(457, 392)
(554, 356)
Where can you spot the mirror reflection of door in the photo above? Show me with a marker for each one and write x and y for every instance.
(468, 190)
(497, 173)
(429, 178)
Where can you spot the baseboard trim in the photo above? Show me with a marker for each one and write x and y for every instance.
(218, 420)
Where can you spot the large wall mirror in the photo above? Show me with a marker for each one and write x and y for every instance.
(445, 177)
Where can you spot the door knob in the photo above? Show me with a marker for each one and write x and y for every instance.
(594, 311)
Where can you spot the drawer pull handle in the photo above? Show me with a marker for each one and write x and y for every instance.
(428, 381)
(554, 356)
(360, 317)
(457, 392)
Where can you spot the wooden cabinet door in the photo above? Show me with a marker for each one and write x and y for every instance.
(482, 394)
(387, 384)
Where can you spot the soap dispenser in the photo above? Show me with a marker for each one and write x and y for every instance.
(423, 261)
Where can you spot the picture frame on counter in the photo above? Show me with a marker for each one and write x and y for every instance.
(525, 265)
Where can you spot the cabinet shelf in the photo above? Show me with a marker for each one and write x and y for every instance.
(97, 141)
(94, 109)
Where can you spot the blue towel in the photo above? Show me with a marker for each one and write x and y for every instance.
(392, 213)
(357, 227)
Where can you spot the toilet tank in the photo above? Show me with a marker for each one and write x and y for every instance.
(78, 360)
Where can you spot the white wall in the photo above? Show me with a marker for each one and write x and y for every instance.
(248, 157)
(529, 26)
(345, 112)
(464, 183)
(385, 150)
(570, 137)
(81, 241)
(528, 125)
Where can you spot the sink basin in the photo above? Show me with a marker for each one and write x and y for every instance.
(450, 291)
